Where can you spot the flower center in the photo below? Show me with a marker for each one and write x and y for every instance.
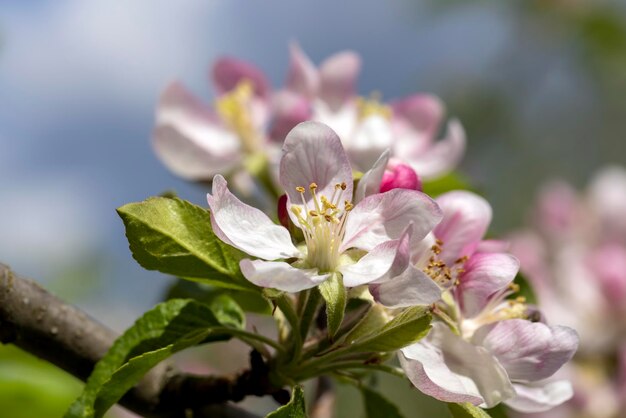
(372, 106)
(323, 226)
(498, 309)
(234, 109)
(442, 274)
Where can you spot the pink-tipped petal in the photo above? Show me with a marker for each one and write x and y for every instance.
(529, 351)
(190, 139)
(421, 112)
(338, 74)
(399, 176)
(245, 227)
(369, 183)
(386, 260)
(444, 155)
(384, 216)
(411, 288)
(466, 217)
(289, 109)
(484, 275)
(227, 72)
(312, 153)
(302, 77)
(280, 275)
(540, 396)
(448, 368)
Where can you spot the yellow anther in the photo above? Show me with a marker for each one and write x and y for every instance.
(343, 186)
(372, 107)
(348, 206)
(313, 213)
(300, 189)
(337, 186)
(328, 218)
(313, 186)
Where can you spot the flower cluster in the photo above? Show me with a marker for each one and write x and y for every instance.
(354, 223)
(575, 256)
(249, 121)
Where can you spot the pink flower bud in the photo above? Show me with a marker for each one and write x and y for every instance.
(399, 176)
(283, 215)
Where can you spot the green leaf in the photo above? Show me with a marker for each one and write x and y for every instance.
(467, 410)
(377, 406)
(160, 332)
(498, 411)
(247, 301)
(296, 408)
(374, 320)
(410, 326)
(451, 181)
(175, 237)
(334, 293)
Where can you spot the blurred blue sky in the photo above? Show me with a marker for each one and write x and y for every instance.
(79, 81)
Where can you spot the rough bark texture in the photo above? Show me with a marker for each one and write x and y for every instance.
(40, 323)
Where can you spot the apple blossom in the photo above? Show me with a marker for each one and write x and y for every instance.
(363, 242)
(367, 127)
(488, 348)
(197, 141)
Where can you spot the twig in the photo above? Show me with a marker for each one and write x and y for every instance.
(40, 323)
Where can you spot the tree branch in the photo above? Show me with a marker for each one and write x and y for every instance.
(40, 323)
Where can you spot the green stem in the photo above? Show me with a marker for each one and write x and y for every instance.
(359, 365)
(286, 306)
(446, 318)
(308, 312)
(243, 335)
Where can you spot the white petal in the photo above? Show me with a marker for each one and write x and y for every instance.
(455, 369)
(245, 227)
(384, 216)
(190, 139)
(387, 259)
(369, 183)
(312, 153)
(540, 396)
(372, 136)
(302, 77)
(443, 156)
(411, 288)
(280, 275)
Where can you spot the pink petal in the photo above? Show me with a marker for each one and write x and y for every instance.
(189, 139)
(556, 208)
(370, 181)
(484, 275)
(302, 77)
(443, 156)
(529, 351)
(338, 75)
(540, 396)
(448, 368)
(384, 216)
(399, 176)
(466, 217)
(421, 112)
(312, 153)
(289, 109)
(227, 72)
(280, 275)
(245, 227)
(388, 259)
(411, 288)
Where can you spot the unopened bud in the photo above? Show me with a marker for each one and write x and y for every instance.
(399, 176)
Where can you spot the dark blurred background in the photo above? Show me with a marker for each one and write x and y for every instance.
(539, 86)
